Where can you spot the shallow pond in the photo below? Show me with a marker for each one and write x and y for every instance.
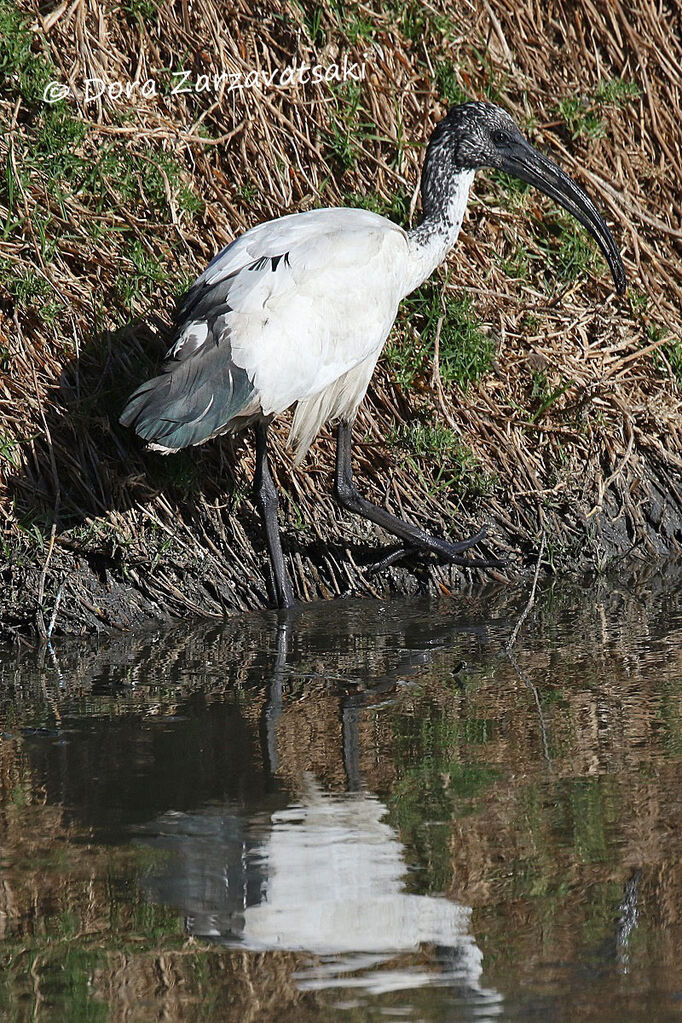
(367, 811)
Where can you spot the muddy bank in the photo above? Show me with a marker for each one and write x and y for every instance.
(515, 390)
(206, 554)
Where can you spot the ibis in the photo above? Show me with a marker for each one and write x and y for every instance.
(296, 311)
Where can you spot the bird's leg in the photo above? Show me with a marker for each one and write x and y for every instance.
(416, 538)
(266, 495)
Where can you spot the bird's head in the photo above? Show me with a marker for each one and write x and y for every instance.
(476, 135)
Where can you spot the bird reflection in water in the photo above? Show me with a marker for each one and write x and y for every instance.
(324, 875)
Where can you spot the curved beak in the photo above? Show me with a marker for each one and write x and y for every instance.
(526, 163)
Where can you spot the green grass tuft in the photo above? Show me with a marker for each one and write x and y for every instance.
(354, 26)
(518, 264)
(313, 18)
(670, 351)
(466, 351)
(351, 124)
(570, 251)
(441, 460)
(580, 118)
(543, 395)
(583, 114)
(145, 10)
(616, 91)
(26, 286)
(23, 71)
(447, 84)
(397, 208)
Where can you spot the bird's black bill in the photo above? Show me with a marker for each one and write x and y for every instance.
(526, 163)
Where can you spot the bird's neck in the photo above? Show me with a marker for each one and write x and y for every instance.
(431, 241)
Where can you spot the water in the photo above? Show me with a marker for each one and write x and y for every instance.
(369, 812)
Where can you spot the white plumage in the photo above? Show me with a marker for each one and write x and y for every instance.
(310, 329)
(297, 310)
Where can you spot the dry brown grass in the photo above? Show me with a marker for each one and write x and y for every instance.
(576, 427)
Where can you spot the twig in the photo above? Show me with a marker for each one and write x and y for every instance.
(536, 696)
(512, 660)
(55, 609)
(531, 599)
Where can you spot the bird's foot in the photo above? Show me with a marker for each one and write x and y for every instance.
(453, 555)
(387, 557)
(451, 552)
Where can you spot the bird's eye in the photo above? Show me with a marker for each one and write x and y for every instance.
(499, 137)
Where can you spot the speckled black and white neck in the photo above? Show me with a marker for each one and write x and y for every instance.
(459, 145)
(431, 241)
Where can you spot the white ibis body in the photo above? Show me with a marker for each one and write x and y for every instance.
(297, 310)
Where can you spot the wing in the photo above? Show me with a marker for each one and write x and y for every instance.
(318, 295)
(198, 395)
(276, 317)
